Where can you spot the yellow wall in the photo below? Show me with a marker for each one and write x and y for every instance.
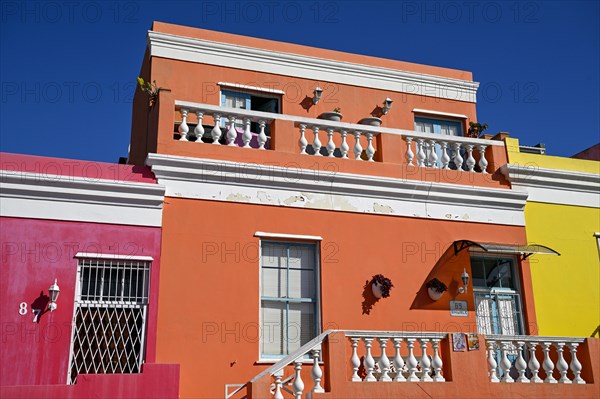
(566, 288)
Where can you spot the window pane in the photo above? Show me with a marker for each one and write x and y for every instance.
(273, 324)
(302, 283)
(273, 255)
(301, 328)
(274, 283)
(302, 257)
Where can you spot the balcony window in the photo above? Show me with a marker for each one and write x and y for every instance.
(442, 127)
(253, 102)
(289, 305)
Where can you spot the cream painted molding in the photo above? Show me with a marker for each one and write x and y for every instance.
(438, 113)
(555, 186)
(252, 88)
(209, 179)
(43, 196)
(301, 66)
(94, 255)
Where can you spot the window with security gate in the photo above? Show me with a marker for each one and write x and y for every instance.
(111, 301)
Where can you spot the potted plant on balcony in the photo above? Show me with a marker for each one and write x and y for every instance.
(150, 89)
(476, 129)
(381, 286)
(334, 116)
(435, 289)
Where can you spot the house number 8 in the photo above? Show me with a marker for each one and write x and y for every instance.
(23, 308)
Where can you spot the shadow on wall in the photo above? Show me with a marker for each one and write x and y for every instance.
(369, 300)
(447, 269)
(40, 303)
(596, 332)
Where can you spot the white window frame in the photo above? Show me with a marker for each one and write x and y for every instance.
(289, 239)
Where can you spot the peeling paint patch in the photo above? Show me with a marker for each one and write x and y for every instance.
(264, 198)
(294, 198)
(378, 208)
(448, 216)
(238, 198)
(466, 217)
(342, 204)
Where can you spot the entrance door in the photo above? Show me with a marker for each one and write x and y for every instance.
(497, 300)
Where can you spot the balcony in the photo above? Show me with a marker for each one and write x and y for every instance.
(209, 131)
(378, 364)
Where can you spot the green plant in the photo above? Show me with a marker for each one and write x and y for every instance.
(436, 285)
(384, 283)
(151, 89)
(338, 110)
(476, 129)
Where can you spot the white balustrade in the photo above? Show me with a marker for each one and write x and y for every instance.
(515, 349)
(422, 149)
(316, 371)
(449, 153)
(298, 384)
(416, 370)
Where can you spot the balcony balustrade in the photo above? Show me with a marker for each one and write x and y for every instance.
(521, 347)
(233, 127)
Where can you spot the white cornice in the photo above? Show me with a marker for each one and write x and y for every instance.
(43, 196)
(318, 69)
(210, 179)
(555, 186)
(437, 113)
(93, 255)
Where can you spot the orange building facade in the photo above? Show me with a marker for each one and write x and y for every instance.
(337, 168)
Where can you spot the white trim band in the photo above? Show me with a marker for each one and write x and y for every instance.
(57, 197)
(93, 255)
(302, 66)
(262, 234)
(215, 180)
(555, 186)
(252, 88)
(438, 113)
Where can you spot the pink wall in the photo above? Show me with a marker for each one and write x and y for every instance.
(35, 252)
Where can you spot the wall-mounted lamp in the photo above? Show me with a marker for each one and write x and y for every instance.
(387, 105)
(318, 91)
(53, 292)
(465, 280)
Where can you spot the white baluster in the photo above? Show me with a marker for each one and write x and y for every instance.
(384, 361)
(548, 365)
(398, 361)
(505, 363)
(458, 159)
(344, 148)
(470, 160)
(262, 137)
(357, 147)
(436, 363)
(420, 153)
(520, 363)
(183, 127)
(575, 365)
(298, 384)
(411, 362)
(216, 133)
(370, 148)
(425, 362)
(330, 144)
(534, 365)
(561, 365)
(355, 360)
(409, 154)
(316, 371)
(247, 135)
(316, 145)
(369, 362)
(302, 142)
(231, 132)
(199, 129)
(492, 365)
(432, 155)
(445, 157)
(278, 385)
(483, 163)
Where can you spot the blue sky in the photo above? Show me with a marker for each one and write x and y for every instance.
(68, 69)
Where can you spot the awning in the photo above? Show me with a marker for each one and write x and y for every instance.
(523, 250)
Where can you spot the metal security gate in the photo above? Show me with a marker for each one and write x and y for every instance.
(110, 317)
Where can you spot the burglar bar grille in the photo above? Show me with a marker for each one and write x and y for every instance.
(110, 315)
